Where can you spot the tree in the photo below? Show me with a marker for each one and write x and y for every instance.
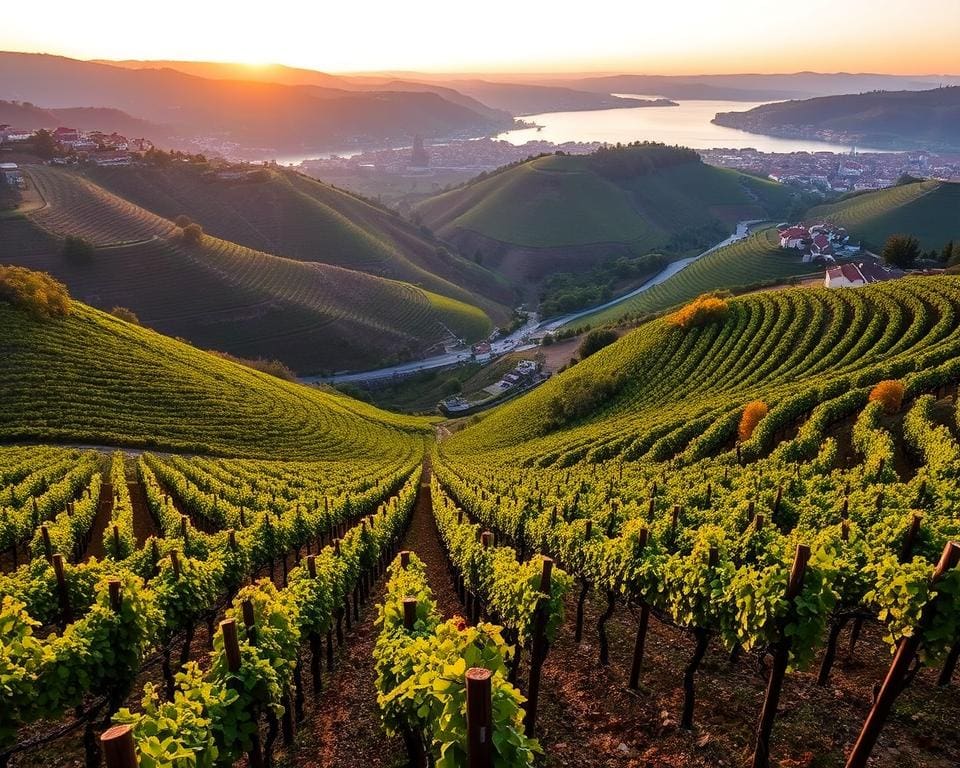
(192, 234)
(595, 341)
(183, 221)
(946, 255)
(78, 250)
(901, 251)
(44, 146)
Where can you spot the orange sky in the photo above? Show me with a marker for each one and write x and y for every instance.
(668, 37)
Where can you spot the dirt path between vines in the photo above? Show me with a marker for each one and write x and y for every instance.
(342, 728)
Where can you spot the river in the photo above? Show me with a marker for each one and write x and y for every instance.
(687, 125)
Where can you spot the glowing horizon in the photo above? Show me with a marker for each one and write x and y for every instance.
(684, 37)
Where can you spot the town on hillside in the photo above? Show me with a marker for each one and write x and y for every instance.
(66, 145)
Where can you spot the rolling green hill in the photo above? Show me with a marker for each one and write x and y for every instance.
(929, 210)
(578, 209)
(754, 260)
(225, 296)
(91, 378)
(661, 384)
(287, 214)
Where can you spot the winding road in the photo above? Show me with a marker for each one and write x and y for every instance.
(516, 340)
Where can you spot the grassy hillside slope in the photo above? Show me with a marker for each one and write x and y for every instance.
(929, 210)
(92, 378)
(660, 389)
(288, 214)
(756, 259)
(559, 201)
(225, 296)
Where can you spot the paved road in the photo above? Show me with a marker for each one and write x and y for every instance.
(743, 229)
(510, 343)
(515, 341)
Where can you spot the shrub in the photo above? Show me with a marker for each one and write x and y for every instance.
(547, 340)
(192, 234)
(125, 314)
(580, 398)
(77, 249)
(595, 341)
(702, 310)
(753, 414)
(183, 221)
(890, 393)
(272, 367)
(36, 292)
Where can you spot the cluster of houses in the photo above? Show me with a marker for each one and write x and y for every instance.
(817, 242)
(824, 242)
(524, 373)
(105, 149)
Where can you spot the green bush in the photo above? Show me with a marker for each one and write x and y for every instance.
(595, 341)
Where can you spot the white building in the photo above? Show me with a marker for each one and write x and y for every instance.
(11, 174)
(843, 276)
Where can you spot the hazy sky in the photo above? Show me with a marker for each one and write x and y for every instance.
(669, 36)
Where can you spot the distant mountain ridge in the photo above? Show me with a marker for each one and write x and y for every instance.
(495, 100)
(274, 117)
(24, 116)
(885, 119)
(728, 87)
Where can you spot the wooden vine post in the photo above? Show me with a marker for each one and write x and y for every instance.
(781, 657)
(409, 613)
(539, 647)
(479, 718)
(119, 750)
(411, 739)
(640, 642)
(231, 649)
(902, 669)
(63, 594)
(47, 546)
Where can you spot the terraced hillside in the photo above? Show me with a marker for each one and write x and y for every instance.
(91, 378)
(669, 386)
(773, 484)
(287, 214)
(928, 210)
(752, 261)
(225, 296)
(577, 209)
